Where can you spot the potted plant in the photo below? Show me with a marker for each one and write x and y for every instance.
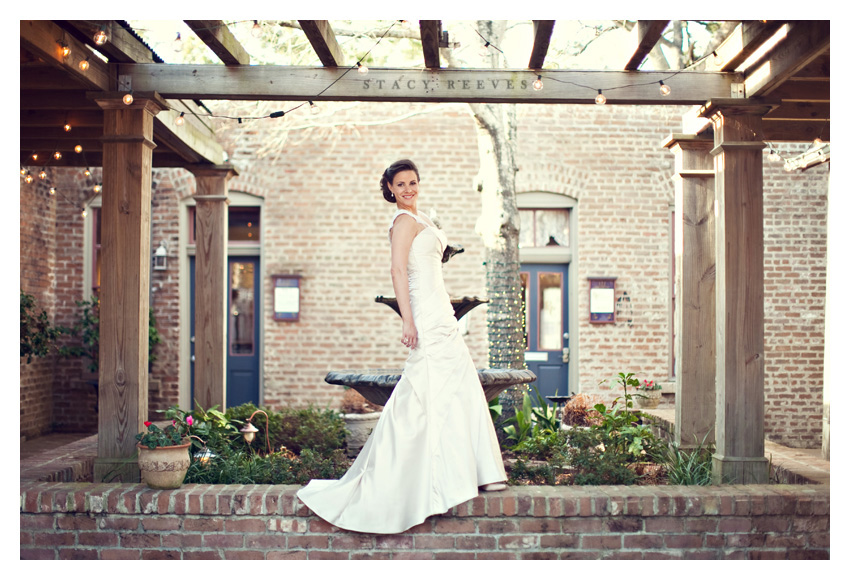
(164, 452)
(648, 394)
(360, 416)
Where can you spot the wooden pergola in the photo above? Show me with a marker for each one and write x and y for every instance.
(768, 81)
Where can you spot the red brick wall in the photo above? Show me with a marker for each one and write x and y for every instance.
(38, 278)
(267, 522)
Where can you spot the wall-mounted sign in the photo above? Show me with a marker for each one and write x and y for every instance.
(602, 300)
(287, 296)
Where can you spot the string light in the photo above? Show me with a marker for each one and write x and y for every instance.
(66, 50)
(128, 99)
(180, 120)
(67, 127)
(28, 177)
(52, 191)
(718, 60)
(178, 43)
(773, 155)
(35, 156)
(100, 37)
(78, 148)
(97, 187)
(537, 84)
(84, 64)
(57, 155)
(600, 98)
(84, 214)
(361, 68)
(314, 108)
(256, 30)
(42, 174)
(406, 24)
(23, 171)
(664, 90)
(87, 172)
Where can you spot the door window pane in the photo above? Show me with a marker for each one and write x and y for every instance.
(526, 228)
(550, 316)
(552, 228)
(241, 315)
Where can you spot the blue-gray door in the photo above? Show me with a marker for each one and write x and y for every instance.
(243, 330)
(546, 326)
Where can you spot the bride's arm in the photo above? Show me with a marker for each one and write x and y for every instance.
(403, 232)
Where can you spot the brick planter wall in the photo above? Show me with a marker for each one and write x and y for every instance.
(120, 521)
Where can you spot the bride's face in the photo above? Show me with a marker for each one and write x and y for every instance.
(405, 187)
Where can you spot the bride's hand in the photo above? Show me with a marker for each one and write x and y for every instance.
(408, 335)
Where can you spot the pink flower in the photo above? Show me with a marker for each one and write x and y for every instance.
(189, 420)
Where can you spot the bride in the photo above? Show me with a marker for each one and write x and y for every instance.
(434, 444)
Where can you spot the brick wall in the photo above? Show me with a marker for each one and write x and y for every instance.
(38, 278)
(259, 522)
(325, 219)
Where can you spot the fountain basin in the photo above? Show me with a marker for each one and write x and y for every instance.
(376, 385)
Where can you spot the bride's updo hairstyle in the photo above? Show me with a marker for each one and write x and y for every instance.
(390, 173)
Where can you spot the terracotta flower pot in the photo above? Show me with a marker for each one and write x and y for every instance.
(164, 467)
(649, 400)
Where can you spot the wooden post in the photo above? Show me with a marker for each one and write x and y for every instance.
(125, 288)
(211, 284)
(739, 428)
(695, 288)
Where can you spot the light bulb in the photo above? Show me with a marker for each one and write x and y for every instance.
(35, 156)
(52, 191)
(817, 142)
(28, 178)
(178, 43)
(180, 120)
(100, 37)
(773, 155)
(600, 98)
(718, 60)
(665, 90)
(42, 174)
(97, 188)
(84, 64)
(23, 171)
(314, 108)
(406, 24)
(256, 30)
(361, 68)
(128, 99)
(78, 148)
(538, 84)
(57, 156)
(66, 51)
(67, 127)
(87, 172)
(84, 213)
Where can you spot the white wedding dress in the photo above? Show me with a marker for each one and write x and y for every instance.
(434, 443)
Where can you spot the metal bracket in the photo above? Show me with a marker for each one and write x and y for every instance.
(737, 91)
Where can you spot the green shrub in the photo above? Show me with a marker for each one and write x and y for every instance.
(320, 430)
(594, 455)
(687, 467)
(234, 466)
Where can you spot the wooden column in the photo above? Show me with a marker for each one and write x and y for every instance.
(695, 288)
(211, 284)
(125, 288)
(739, 426)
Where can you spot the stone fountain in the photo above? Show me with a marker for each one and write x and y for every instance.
(376, 385)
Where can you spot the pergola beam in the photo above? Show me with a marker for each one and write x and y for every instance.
(429, 33)
(803, 43)
(44, 39)
(644, 38)
(121, 45)
(744, 41)
(278, 83)
(322, 38)
(216, 35)
(542, 36)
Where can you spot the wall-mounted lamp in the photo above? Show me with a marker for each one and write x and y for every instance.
(160, 257)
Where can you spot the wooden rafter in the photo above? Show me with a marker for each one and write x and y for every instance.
(742, 43)
(542, 36)
(429, 32)
(121, 46)
(322, 38)
(803, 43)
(644, 38)
(44, 39)
(216, 35)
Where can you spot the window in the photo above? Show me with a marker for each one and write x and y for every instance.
(243, 225)
(541, 228)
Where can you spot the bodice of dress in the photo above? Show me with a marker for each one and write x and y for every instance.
(425, 268)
